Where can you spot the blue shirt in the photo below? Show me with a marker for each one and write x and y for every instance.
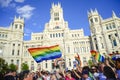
(118, 72)
(102, 76)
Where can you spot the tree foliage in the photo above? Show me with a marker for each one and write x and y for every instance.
(13, 67)
(3, 66)
(90, 62)
(24, 67)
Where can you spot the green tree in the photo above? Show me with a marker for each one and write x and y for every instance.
(24, 67)
(3, 65)
(13, 67)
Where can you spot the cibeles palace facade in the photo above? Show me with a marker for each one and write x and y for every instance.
(105, 38)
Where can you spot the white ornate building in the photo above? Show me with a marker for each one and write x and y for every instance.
(105, 35)
(57, 32)
(11, 42)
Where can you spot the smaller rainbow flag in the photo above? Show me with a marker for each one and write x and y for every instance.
(97, 56)
(45, 53)
(77, 58)
(93, 52)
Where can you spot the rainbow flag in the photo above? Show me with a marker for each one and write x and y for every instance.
(45, 53)
(93, 53)
(77, 58)
(97, 56)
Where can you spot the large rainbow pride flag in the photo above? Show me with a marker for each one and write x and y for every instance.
(45, 53)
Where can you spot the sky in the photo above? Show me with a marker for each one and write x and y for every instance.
(37, 12)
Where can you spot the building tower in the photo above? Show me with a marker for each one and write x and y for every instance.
(96, 31)
(56, 19)
(16, 41)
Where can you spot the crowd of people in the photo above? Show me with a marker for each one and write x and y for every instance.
(107, 70)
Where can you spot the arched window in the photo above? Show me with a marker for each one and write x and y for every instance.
(69, 62)
(114, 42)
(56, 35)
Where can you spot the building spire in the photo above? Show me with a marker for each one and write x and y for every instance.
(96, 10)
(113, 14)
(15, 18)
(53, 5)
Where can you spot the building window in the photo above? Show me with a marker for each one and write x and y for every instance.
(109, 36)
(6, 35)
(113, 24)
(69, 62)
(18, 44)
(38, 38)
(110, 26)
(72, 35)
(56, 35)
(59, 34)
(62, 34)
(12, 52)
(32, 65)
(13, 44)
(56, 18)
(116, 34)
(114, 42)
(96, 19)
(75, 35)
(84, 60)
(102, 45)
(56, 14)
(12, 61)
(68, 49)
(91, 20)
(53, 35)
(96, 46)
(20, 26)
(18, 52)
(107, 28)
(57, 27)
(3, 35)
(46, 65)
(16, 26)
(53, 64)
(50, 35)
(41, 37)
(17, 63)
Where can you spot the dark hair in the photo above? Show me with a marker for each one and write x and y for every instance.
(86, 68)
(68, 71)
(108, 72)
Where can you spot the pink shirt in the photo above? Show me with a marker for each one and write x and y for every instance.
(67, 78)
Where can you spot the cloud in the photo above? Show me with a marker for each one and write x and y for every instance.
(5, 3)
(10, 3)
(25, 11)
(19, 1)
(27, 32)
